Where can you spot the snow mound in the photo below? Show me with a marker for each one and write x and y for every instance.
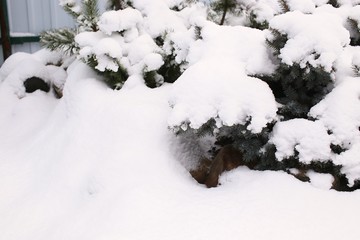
(350, 162)
(21, 66)
(12, 62)
(219, 89)
(308, 138)
(118, 21)
(328, 37)
(237, 43)
(338, 111)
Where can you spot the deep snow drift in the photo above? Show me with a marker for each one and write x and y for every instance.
(100, 164)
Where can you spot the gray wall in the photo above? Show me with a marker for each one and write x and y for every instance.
(34, 16)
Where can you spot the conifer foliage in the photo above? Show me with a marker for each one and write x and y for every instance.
(224, 6)
(297, 87)
(123, 47)
(122, 44)
(63, 40)
(302, 78)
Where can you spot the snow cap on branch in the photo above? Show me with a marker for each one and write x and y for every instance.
(315, 39)
(219, 89)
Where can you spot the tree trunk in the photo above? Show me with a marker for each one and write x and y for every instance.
(223, 16)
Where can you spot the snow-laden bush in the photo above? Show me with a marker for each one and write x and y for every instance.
(47, 66)
(275, 79)
(306, 64)
(306, 59)
(145, 38)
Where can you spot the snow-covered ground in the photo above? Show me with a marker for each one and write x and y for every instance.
(100, 164)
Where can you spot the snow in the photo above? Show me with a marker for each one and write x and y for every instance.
(103, 53)
(159, 18)
(103, 164)
(238, 43)
(66, 2)
(308, 138)
(305, 6)
(220, 89)
(328, 37)
(354, 14)
(11, 63)
(117, 21)
(120, 41)
(320, 180)
(337, 113)
(99, 164)
(22, 34)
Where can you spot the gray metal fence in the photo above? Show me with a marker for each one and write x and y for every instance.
(27, 18)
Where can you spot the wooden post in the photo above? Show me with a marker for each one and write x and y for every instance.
(5, 36)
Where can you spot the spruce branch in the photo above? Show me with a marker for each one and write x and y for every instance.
(224, 6)
(334, 3)
(277, 42)
(90, 15)
(114, 80)
(254, 23)
(72, 8)
(116, 5)
(60, 40)
(356, 70)
(284, 6)
(355, 31)
(197, 31)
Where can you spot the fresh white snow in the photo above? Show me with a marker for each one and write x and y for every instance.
(100, 164)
